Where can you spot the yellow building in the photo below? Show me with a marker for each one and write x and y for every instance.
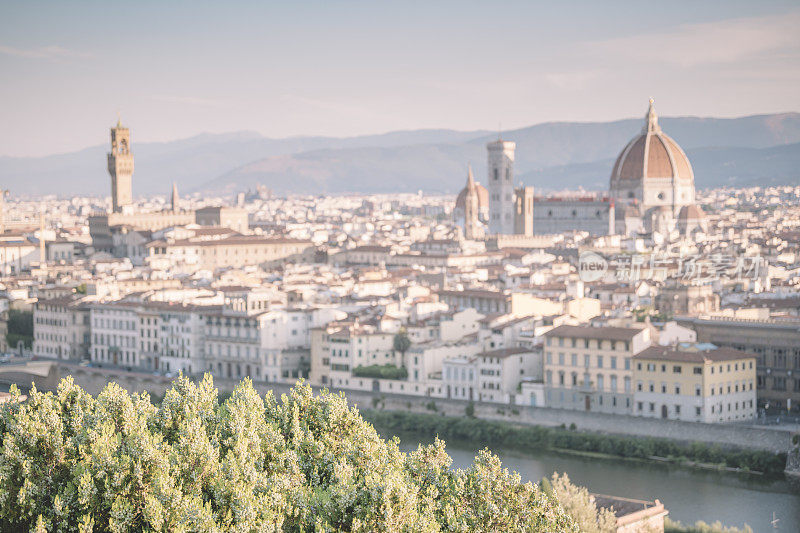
(589, 368)
(697, 382)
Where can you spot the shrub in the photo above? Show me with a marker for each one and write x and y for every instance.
(469, 410)
(381, 372)
(116, 462)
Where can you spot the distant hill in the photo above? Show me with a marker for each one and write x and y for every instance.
(189, 162)
(742, 151)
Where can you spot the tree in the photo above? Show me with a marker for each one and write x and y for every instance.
(580, 505)
(20, 328)
(401, 344)
(73, 462)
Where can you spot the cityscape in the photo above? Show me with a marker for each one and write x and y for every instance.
(601, 342)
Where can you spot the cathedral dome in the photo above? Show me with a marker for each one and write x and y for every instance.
(651, 155)
(483, 198)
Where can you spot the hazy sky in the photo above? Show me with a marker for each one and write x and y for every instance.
(175, 69)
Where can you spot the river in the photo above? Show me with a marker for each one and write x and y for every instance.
(688, 494)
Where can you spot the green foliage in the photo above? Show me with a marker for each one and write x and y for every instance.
(671, 526)
(401, 342)
(580, 505)
(81, 289)
(20, 327)
(498, 433)
(386, 371)
(116, 462)
(469, 410)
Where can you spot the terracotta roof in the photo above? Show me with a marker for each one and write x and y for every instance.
(504, 352)
(689, 212)
(483, 197)
(652, 154)
(588, 332)
(665, 353)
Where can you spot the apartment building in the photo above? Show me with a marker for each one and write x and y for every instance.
(500, 302)
(775, 342)
(232, 346)
(500, 372)
(695, 382)
(61, 328)
(115, 334)
(181, 335)
(489, 376)
(192, 254)
(590, 368)
(341, 346)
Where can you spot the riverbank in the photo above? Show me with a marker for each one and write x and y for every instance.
(525, 438)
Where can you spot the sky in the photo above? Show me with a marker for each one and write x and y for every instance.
(174, 69)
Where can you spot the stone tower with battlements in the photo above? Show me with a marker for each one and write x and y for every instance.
(120, 167)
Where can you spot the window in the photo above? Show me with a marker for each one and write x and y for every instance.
(599, 361)
(676, 369)
(613, 362)
(697, 390)
(697, 370)
(697, 410)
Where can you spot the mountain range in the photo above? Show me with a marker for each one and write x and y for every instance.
(753, 150)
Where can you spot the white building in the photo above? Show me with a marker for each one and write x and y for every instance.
(115, 334)
(61, 328)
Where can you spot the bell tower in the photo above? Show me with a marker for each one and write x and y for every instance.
(120, 167)
(501, 187)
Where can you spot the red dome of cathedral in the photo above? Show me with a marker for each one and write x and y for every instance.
(651, 154)
(483, 198)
